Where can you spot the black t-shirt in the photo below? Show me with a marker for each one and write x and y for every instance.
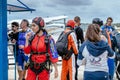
(79, 33)
(12, 36)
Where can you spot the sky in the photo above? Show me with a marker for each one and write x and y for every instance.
(86, 9)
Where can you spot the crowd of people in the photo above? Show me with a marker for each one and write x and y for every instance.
(36, 50)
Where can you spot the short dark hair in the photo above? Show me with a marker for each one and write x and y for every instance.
(25, 20)
(97, 21)
(15, 23)
(110, 18)
(77, 18)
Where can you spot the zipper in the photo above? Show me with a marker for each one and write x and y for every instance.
(37, 44)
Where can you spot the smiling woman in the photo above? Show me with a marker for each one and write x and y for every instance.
(42, 52)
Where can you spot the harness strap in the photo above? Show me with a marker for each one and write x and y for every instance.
(47, 54)
(38, 53)
(39, 67)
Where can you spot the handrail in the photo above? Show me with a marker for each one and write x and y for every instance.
(11, 44)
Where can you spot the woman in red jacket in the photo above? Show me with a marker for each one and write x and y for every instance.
(42, 52)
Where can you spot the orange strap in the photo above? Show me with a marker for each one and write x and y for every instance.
(109, 40)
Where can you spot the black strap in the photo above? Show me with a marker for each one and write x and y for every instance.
(44, 65)
(41, 67)
(47, 54)
(46, 43)
(31, 39)
(38, 53)
(67, 33)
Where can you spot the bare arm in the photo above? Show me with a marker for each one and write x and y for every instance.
(56, 70)
(27, 39)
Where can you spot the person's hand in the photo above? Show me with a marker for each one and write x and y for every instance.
(13, 41)
(56, 74)
(21, 46)
(103, 38)
(109, 32)
(28, 35)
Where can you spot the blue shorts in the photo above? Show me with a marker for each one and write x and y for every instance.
(22, 60)
(97, 75)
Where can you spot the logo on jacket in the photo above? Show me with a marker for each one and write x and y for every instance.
(95, 60)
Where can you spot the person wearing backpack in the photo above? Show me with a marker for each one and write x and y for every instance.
(94, 53)
(68, 63)
(42, 52)
(109, 28)
(80, 39)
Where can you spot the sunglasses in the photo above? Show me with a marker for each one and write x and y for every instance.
(13, 26)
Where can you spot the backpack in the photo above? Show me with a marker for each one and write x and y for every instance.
(117, 40)
(62, 46)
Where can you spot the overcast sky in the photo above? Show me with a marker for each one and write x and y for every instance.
(86, 9)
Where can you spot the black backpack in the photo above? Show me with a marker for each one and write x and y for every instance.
(116, 39)
(62, 46)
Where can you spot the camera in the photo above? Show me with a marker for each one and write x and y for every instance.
(11, 36)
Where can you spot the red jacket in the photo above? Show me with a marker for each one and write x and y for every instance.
(38, 45)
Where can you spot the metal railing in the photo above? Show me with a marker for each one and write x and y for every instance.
(13, 55)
